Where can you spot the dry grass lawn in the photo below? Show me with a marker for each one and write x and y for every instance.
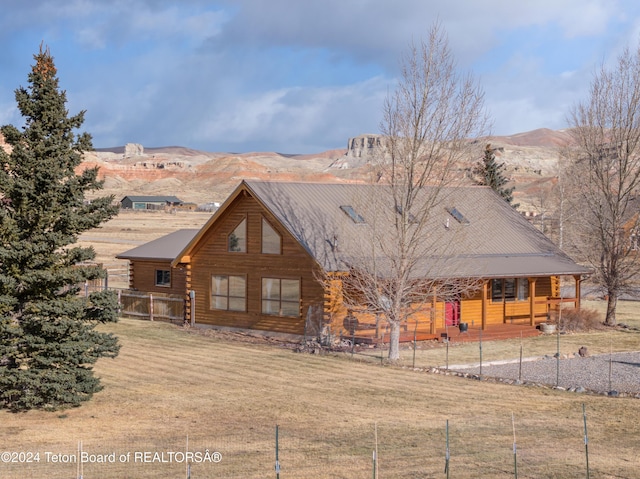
(170, 383)
(172, 389)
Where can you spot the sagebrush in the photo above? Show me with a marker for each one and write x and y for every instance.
(582, 319)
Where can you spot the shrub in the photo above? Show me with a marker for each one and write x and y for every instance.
(582, 319)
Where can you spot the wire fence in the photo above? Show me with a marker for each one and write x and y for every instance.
(463, 447)
(553, 362)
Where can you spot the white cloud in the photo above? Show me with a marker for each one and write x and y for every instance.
(301, 118)
(292, 75)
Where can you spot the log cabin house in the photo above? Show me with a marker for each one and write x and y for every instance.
(255, 264)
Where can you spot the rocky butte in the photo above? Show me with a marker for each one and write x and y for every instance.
(531, 160)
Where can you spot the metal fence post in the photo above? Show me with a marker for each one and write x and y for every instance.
(150, 307)
(586, 438)
(277, 459)
(447, 455)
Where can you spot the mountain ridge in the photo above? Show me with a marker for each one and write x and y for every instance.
(200, 177)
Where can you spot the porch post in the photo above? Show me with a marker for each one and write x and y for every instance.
(484, 303)
(578, 279)
(532, 301)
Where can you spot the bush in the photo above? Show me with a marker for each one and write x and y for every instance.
(582, 319)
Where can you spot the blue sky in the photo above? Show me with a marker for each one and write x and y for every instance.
(298, 76)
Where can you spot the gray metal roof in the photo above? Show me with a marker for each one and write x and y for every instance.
(154, 199)
(165, 248)
(490, 239)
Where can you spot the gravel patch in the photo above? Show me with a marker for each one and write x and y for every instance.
(605, 373)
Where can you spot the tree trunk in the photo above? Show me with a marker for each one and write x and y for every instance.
(394, 341)
(612, 302)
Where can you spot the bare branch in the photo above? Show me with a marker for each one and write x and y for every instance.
(606, 175)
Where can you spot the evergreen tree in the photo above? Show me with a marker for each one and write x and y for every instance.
(489, 173)
(48, 340)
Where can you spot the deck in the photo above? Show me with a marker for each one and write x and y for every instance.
(453, 333)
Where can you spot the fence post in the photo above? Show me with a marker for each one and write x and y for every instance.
(277, 468)
(586, 438)
(480, 340)
(150, 307)
(415, 342)
(375, 451)
(192, 296)
(446, 452)
(515, 448)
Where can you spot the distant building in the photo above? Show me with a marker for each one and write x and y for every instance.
(150, 202)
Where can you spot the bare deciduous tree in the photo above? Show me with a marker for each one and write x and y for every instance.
(427, 126)
(606, 175)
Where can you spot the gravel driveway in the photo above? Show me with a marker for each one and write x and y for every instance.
(608, 374)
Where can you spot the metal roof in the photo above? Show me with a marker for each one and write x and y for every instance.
(153, 199)
(494, 240)
(165, 248)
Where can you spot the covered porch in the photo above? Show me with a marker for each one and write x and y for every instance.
(542, 299)
(492, 313)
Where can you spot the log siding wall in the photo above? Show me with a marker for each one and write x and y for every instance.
(211, 257)
(142, 277)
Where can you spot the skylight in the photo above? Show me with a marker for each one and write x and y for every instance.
(410, 216)
(460, 218)
(351, 213)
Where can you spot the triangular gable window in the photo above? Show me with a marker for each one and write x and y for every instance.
(238, 238)
(271, 241)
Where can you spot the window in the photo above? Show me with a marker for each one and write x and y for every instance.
(229, 293)
(271, 241)
(459, 217)
(509, 289)
(351, 213)
(238, 238)
(496, 290)
(523, 289)
(281, 297)
(163, 277)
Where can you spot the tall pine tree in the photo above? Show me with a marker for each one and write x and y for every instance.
(48, 336)
(489, 173)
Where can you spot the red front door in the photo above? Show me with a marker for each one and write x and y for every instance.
(452, 313)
